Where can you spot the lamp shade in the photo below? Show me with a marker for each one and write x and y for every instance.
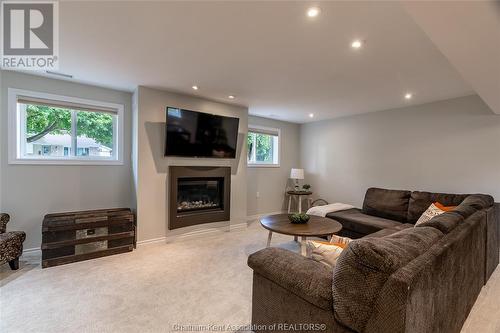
(297, 174)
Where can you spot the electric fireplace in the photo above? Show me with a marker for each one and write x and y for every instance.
(198, 195)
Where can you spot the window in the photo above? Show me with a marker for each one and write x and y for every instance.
(51, 129)
(263, 146)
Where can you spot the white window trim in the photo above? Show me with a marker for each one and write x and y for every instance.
(14, 131)
(265, 165)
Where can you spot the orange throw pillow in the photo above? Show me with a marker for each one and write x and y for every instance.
(342, 245)
(443, 207)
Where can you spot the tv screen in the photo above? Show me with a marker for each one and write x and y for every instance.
(198, 134)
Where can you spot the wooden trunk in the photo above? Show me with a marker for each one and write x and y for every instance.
(76, 236)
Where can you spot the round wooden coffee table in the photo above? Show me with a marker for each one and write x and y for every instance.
(317, 226)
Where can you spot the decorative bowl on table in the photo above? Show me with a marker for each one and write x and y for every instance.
(298, 218)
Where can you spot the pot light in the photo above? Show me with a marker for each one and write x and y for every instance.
(408, 96)
(356, 44)
(311, 115)
(313, 11)
(230, 97)
(195, 87)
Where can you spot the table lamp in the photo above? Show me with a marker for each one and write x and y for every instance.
(297, 174)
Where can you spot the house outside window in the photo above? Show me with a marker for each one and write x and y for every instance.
(263, 147)
(53, 129)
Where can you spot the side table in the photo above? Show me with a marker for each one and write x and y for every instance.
(298, 195)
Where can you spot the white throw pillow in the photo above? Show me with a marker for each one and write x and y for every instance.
(432, 211)
(327, 252)
(323, 252)
(340, 240)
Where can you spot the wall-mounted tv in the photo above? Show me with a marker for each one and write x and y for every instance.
(198, 134)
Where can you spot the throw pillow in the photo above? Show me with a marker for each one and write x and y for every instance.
(432, 211)
(340, 241)
(443, 207)
(327, 252)
(323, 252)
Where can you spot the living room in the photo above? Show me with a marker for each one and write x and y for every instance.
(205, 166)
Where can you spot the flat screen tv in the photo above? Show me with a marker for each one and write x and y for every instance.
(198, 134)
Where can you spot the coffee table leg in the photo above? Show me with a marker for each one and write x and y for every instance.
(269, 238)
(303, 250)
(296, 238)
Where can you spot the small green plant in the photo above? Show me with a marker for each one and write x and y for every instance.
(306, 187)
(298, 218)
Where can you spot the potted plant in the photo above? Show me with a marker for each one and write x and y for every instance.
(306, 187)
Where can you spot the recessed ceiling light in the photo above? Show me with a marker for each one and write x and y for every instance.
(313, 11)
(408, 96)
(195, 87)
(230, 97)
(356, 44)
(311, 115)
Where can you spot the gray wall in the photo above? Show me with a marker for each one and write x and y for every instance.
(271, 182)
(151, 171)
(447, 146)
(28, 192)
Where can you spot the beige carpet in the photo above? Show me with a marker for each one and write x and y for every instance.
(202, 281)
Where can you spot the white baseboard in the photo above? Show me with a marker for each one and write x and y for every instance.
(193, 234)
(32, 250)
(206, 231)
(152, 241)
(251, 218)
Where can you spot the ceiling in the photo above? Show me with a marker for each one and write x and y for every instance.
(270, 55)
(468, 34)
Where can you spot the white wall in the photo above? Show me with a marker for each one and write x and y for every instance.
(271, 183)
(152, 166)
(447, 146)
(28, 192)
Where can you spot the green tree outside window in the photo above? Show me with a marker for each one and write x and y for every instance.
(42, 120)
(260, 147)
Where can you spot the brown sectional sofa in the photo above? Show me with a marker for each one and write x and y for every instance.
(395, 278)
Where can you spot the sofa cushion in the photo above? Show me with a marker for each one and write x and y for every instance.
(444, 222)
(473, 203)
(366, 264)
(355, 220)
(388, 204)
(391, 230)
(465, 210)
(479, 201)
(420, 201)
(302, 276)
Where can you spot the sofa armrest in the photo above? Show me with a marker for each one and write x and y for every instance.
(4, 219)
(302, 276)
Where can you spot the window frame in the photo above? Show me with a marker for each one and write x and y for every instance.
(261, 129)
(15, 130)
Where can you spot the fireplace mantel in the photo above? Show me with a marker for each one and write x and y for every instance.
(198, 195)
